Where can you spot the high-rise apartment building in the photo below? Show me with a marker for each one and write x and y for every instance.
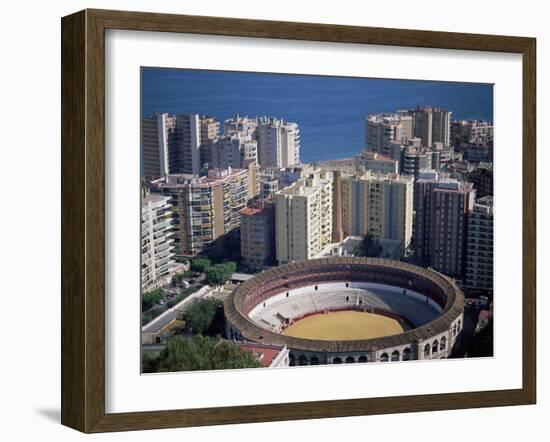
(414, 160)
(337, 228)
(254, 184)
(479, 255)
(382, 129)
(188, 136)
(176, 144)
(278, 142)
(241, 125)
(158, 143)
(432, 125)
(381, 205)
(442, 206)
(258, 235)
(205, 208)
(233, 150)
(157, 243)
(303, 217)
(209, 131)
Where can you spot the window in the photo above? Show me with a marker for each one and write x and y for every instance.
(395, 355)
(427, 350)
(384, 357)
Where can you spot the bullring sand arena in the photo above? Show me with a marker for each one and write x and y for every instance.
(345, 325)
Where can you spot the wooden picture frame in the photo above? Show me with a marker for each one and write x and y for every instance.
(83, 217)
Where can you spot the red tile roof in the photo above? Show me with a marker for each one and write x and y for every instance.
(264, 353)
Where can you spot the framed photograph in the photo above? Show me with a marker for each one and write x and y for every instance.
(266, 221)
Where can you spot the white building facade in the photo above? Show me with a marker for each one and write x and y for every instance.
(157, 248)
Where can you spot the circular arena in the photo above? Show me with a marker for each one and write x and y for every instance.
(345, 310)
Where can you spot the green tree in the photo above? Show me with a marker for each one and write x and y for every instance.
(203, 353)
(151, 298)
(219, 274)
(149, 362)
(200, 265)
(369, 247)
(177, 279)
(200, 314)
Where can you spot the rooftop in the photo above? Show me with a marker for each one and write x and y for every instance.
(265, 354)
(154, 198)
(261, 211)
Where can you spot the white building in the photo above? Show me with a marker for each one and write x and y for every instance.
(278, 142)
(234, 150)
(479, 258)
(157, 249)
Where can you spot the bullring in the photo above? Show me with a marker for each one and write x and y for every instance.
(427, 306)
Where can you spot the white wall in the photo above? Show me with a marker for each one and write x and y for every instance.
(30, 115)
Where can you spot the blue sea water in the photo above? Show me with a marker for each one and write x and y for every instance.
(330, 111)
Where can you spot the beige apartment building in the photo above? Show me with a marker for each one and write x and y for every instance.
(379, 204)
(303, 217)
(205, 208)
(382, 129)
(209, 132)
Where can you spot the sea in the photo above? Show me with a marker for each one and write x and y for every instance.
(330, 111)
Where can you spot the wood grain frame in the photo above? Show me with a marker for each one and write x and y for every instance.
(83, 217)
